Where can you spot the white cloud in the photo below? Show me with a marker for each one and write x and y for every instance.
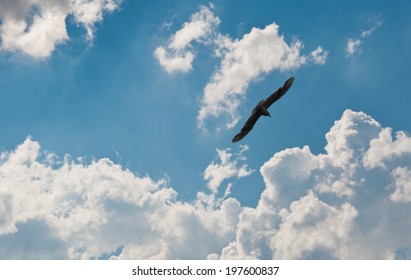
(36, 27)
(330, 205)
(174, 62)
(341, 204)
(216, 173)
(319, 55)
(81, 204)
(37, 39)
(402, 183)
(354, 44)
(376, 22)
(344, 137)
(177, 55)
(200, 27)
(92, 209)
(88, 13)
(313, 227)
(383, 148)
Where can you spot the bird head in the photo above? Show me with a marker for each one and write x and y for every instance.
(264, 111)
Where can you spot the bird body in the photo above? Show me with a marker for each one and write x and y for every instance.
(262, 110)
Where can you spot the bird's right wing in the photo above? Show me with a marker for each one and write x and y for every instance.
(249, 124)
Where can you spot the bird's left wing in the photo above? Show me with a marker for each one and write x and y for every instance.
(278, 93)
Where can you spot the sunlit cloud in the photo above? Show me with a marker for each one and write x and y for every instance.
(37, 27)
(340, 204)
(178, 54)
(354, 44)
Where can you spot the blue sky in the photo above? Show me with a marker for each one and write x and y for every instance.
(83, 87)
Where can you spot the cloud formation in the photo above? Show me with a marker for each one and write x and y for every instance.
(354, 44)
(178, 55)
(36, 27)
(352, 202)
(242, 61)
(216, 173)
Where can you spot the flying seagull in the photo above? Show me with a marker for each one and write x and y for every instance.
(261, 109)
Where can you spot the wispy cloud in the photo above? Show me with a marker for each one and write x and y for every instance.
(319, 56)
(225, 168)
(177, 55)
(36, 27)
(350, 202)
(354, 44)
(242, 61)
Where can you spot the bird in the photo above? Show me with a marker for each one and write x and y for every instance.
(261, 110)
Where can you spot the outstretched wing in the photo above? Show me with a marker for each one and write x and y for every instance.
(279, 93)
(249, 124)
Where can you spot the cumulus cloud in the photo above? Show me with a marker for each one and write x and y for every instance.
(79, 203)
(242, 61)
(333, 205)
(36, 27)
(351, 202)
(384, 149)
(402, 184)
(354, 44)
(89, 210)
(313, 227)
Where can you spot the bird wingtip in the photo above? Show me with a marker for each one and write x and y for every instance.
(236, 138)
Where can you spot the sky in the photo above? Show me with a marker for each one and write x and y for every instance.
(117, 118)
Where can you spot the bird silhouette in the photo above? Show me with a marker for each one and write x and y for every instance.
(261, 109)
